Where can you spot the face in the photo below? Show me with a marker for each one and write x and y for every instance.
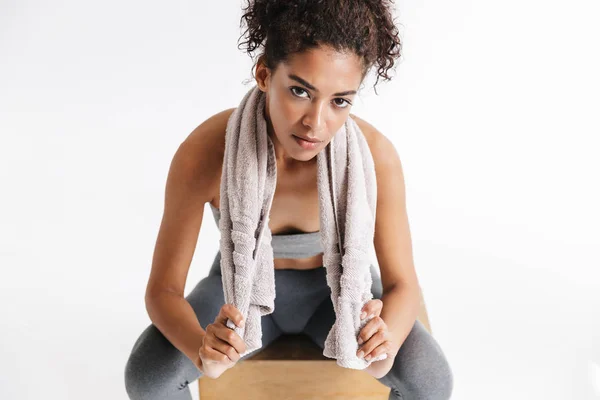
(310, 96)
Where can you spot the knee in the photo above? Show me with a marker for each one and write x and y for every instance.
(136, 384)
(435, 382)
(421, 369)
(155, 369)
(432, 381)
(138, 373)
(137, 379)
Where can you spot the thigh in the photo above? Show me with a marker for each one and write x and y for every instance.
(421, 369)
(298, 293)
(207, 298)
(156, 369)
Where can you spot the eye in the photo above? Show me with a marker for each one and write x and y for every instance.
(344, 101)
(293, 88)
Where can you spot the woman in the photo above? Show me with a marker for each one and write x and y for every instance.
(316, 56)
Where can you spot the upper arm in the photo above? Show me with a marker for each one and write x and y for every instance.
(392, 241)
(192, 180)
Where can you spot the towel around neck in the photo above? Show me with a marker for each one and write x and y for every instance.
(347, 191)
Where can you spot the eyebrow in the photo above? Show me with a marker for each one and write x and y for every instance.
(311, 87)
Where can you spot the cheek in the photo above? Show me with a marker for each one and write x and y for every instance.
(290, 110)
(335, 125)
(286, 114)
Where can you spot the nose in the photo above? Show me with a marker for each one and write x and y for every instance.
(316, 117)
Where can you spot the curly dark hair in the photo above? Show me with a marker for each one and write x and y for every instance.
(365, 27)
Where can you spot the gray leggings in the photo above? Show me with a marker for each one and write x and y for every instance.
(158, 370)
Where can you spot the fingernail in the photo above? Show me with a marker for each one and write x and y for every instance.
(242, 323)
(368, 357)
(360, 354)
(363, 315)
(360, 340)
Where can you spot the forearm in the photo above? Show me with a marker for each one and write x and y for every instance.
(399, 312)
(177, 321)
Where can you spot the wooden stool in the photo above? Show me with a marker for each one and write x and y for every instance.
(294, 368)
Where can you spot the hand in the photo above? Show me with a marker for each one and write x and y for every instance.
(221, 346)
(374, 338)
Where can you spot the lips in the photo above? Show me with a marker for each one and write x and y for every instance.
(308, 139)
(305, 144)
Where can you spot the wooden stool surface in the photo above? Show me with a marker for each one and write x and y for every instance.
(293, 367)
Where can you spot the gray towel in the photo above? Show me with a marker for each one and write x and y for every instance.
(347, 190)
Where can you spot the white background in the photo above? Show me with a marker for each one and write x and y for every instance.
(493, 110)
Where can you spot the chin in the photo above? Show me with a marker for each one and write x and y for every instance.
(300, 155)
(306, 157)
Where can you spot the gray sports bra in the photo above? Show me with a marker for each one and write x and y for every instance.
(295, 245)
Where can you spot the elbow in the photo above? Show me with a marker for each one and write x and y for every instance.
(152, 295)
(410, 291)
(150, 298)
(403, 286)
(411, 285)
(149, 301)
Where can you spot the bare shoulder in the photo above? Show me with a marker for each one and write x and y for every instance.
(382, 148)
(210, 134)
(203, 150)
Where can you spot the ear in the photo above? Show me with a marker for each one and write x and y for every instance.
(262, 75)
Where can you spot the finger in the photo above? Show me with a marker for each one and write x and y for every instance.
(369, 329)
(231, 338)
(376, 340)
(229, 311)
(211, 355)
(383, 348)
(224, 348)
(372, 307)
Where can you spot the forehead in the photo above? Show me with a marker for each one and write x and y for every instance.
(328, 70)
